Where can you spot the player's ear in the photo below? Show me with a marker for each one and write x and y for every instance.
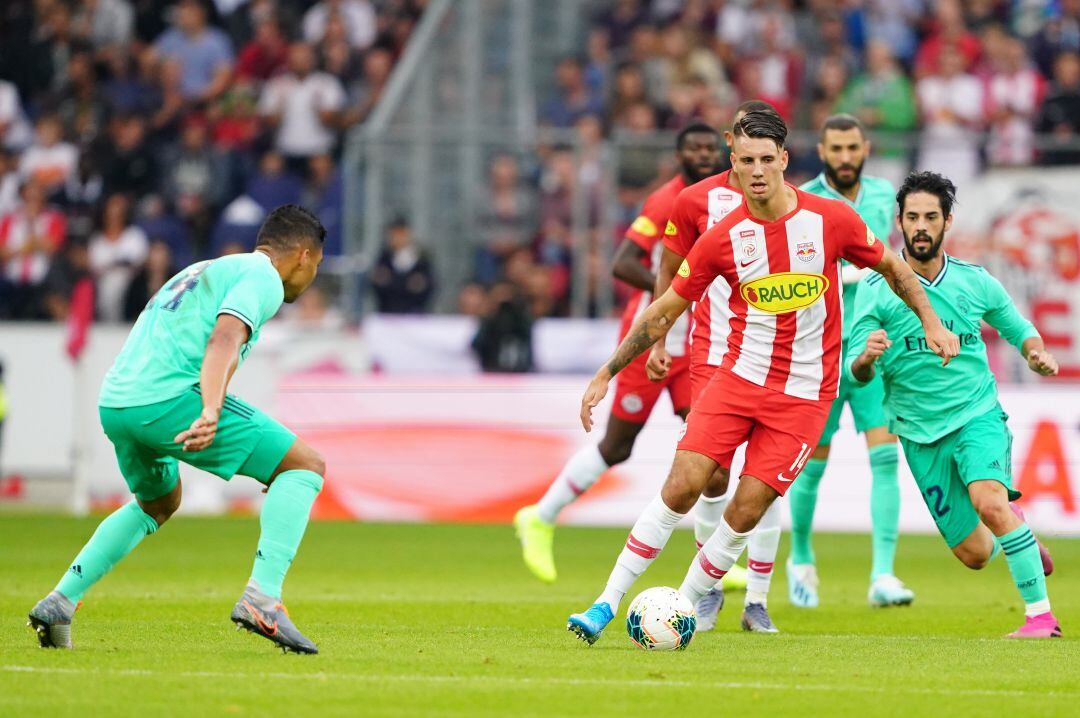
(784, 157)
(821, 151)
(948, 222)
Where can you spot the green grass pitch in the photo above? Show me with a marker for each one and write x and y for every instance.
(445, 621)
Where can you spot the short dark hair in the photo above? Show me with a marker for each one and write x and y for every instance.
(762, 123)
(692, 128)
(289, 225)
(754, 106)
(842, 122)
(932, 183)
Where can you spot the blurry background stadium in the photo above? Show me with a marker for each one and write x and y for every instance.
(476, 163)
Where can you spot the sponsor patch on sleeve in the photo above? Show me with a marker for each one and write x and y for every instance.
(684, 269)
(644, 226)
(670, 230)
(870, 238)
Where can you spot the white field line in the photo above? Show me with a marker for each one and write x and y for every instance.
(542, 682)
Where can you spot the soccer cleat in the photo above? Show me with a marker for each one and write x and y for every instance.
(734, 579)
(755, 618)
(1042, 626)
(273, 624)
(707, 609)
(802, 582)
(536, 536)
(1044, 553)
(589, 625)
(51, 620)
(888, 590)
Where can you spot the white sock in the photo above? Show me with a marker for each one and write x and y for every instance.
(761, 555)
(646, 540)
(1038, 608)
(580, 472)
(707, 514)
(714, 559)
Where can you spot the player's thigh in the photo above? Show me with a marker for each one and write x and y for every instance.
(690, 471)
(868, 405)
(148, 473)
(984, 451)
(300, 456)
(635, 394)
(944, 493)
(783, 438)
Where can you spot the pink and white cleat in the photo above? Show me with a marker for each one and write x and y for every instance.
(1042, 626)
(1044, 553)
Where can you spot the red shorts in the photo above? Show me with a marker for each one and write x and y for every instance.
(782, 431)
(700, 374)
(636, 394)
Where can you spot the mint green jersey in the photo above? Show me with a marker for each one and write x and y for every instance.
(163, 354)
(876, 205)
(924, 401)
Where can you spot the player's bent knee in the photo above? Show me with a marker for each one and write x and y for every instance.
(995, 514)
(972, 559)
(615, 452)
(718, 482)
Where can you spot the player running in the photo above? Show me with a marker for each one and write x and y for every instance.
(950, 423)
(779, 254)
(843, 148)
(164, 400)
(697, 151)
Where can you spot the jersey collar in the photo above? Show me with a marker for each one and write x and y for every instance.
(836, 195)
(940, 275)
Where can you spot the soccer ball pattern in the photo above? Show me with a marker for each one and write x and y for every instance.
(661, 619)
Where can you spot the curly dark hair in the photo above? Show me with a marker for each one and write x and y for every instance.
(932, 183)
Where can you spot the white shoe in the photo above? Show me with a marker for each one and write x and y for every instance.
(802, 581)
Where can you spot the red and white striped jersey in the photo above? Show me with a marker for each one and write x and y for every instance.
(646, 232)
(698, 207)
(785, 292)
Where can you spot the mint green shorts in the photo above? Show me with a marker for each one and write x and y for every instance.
(867, 402)
(980, 449)
(248, 442)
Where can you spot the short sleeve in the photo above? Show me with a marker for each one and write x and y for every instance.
(855, 241)
(254, 297)
(681, 230)
(647, 228)
(700, 267)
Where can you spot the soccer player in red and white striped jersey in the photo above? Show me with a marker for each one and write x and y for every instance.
(697, 150)
(779, 254)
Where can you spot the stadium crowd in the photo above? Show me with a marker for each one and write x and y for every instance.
(141, 134)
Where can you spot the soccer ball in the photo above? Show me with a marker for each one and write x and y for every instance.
(661, 619)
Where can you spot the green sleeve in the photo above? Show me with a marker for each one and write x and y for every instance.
(253, 298)
(867, 319)
(850, 99)
(1002, 315)
(898, 107)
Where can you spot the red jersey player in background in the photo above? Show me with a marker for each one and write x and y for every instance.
(697, 151)
(779, 254)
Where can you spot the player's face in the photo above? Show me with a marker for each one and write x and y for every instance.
(699, 155)
(843, 152)
(923, 225)
(760, 165)
(303, 274)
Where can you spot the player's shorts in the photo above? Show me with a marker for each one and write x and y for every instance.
(867, 402)
(636, 394)
(248, 442)
(700, 376)
(980, 449)
(781, 430)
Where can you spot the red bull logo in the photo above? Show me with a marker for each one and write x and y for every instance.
(805, 251)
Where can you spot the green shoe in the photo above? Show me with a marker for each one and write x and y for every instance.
(536, 536)
(735, 579)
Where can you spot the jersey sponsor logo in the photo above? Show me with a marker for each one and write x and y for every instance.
(670, 230)
(805, 251)
(645, 226)
(684, 269)
(784, 292)
(751, 250)
(870, 238)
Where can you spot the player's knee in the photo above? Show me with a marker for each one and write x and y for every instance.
(995, 513)
(741, 517)
(680, 491)
(316, 463)
(615, 452)
(974, 560)
(718, 482)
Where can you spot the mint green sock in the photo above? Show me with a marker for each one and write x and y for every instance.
(284, 519)
(803, 498)
(884, 508)
(1025, 565)
(115, 537)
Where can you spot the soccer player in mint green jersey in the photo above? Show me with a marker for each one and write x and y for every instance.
(843, 148)
(949, 421)
(164, 400)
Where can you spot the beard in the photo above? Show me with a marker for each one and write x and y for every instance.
(841, 183)
(923, 254)
(697, 174)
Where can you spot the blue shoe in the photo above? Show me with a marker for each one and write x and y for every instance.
(707, 609)
(589, 625)
(755, 618)
(802, 583)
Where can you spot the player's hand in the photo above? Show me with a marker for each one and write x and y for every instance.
(1042, 362)
(876, 344)
(659, 363)
(594, 394)
(943, 343)
(201, 432)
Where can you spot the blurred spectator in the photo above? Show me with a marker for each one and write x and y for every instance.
(951, 104)
(312, 311)
(80, 198)
(273, 185)
(573, 98)
(128, 163)
(234, 123)
(203, 52)
(358, 17)
(129, 89)
(29, 237)
(472, 300)
(265, 54)
(151, 276)
(1060, 112)
(826, 89)
(598, 67)
(1014, 92)
(644, 51)
(79, 104)
(503, 342)
(238, 227)
(108, 24)
(628, 90)
(117, 250)
(402, 278)
(365, 92)
(50, 160)
(1060, 34)
(196, 178)
(324, 195)
(303, 104)
(68, 268)
(506, 217)
(165, 122)
(685, 62)
(9, 182)
(621, 19)
(948, 31)
(15, 131)
(160, 225)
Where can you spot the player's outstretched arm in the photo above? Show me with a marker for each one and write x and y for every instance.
(659, 363)
(219, 362)
(654, 323)
(627, 266)
(902, 280)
